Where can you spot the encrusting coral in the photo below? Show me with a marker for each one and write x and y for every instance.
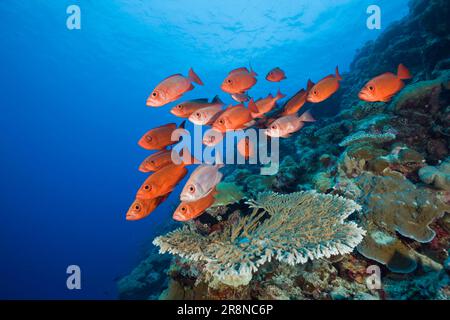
(438, 176)
(291, 228)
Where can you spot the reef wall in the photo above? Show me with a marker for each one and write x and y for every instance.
(384, 166)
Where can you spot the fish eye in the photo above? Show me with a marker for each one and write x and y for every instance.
(149, 138)
(180, 106)
(221, 121)
(274, 127)
(147, 187)
(154, 94)
(229, 81)
(191, 189)
(183, 208)
(152, 161)
(315, 92)
(371, 88)
(198, 114)
(137, 207)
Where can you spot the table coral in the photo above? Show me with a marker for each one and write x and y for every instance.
(291, 228)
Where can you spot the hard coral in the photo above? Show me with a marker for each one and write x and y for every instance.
(292, 228)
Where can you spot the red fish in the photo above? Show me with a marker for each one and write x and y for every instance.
(141, 208)
(264, 105)
(212, 137)
(276, 75)
(172, 88)
(163, 158)
(325, 88)
(162, 181)
(156, 161)
(246, 148)
(160, 137)
(297, 101)
(185, 109)
(190, 210)
(239, 81)
(385, 86)
(233, 118)
(285, 126)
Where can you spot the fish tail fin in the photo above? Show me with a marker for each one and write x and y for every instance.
(309, 85)
(194, 77)
(280, 95)
(403, 72)
(182, 125)
(338, 76)
(307, 117)
(252, 106)
(216, 100)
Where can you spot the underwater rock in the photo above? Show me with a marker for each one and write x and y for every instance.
(147, 279)
(394, 204)
(428, 286)
(438, 176)
(290, 234)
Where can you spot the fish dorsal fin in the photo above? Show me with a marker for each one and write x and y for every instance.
(403, 72)
(202, 100)
(174, 75)
(309, 85)
(182, 125)
(243, 69)
(216, 100)
(174, 125)
(159, 152)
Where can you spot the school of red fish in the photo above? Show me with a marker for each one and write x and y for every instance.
(198, 193)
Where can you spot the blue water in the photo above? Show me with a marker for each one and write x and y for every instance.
(73, 108)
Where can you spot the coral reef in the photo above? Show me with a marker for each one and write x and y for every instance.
(300, 226)
(387, 162)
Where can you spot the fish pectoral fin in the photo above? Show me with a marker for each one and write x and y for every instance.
(287, 135)
(387, 98)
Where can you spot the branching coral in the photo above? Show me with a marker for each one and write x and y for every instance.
(364, 137)
(292, 228)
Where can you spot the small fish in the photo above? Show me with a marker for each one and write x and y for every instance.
(163, 158)
(246, 148)
(160, 137)
(172, 88)
(141, 208)
(162, 181)
(190, 210)
(205, 115)
(323, 89)
(201, 182)
(240, 97)
(156, 161)
(385, 86)
(264, 105)
(239, 81)
(185, 109)
(276, 75)
(212, 137)
(285, 126)
(234, 118)
(297, 100)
